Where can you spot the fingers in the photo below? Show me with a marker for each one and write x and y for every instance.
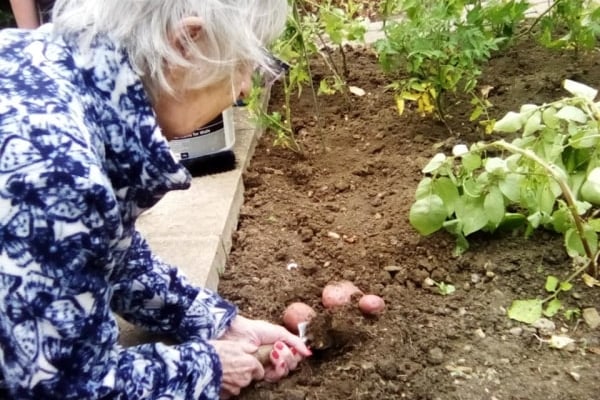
(258, 371)
(295, 342)
(238, 364)
(283, 360)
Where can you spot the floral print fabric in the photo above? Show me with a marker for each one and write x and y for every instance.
(81, 157)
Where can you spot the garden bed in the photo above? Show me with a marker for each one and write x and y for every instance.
(341, 212)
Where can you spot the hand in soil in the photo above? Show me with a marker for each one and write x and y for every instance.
(288, 349)
(239, 366)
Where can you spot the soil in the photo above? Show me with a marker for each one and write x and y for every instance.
(340, 211)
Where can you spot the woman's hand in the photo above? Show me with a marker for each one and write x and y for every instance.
(288, 349)
(240, 367)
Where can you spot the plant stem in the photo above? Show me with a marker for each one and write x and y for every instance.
(296, 14)
(539, 18)
(569, 197)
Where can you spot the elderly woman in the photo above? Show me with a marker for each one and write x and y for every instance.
(86, 108)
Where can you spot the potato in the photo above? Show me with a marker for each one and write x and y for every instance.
(371, 304)
(296, 313)
(340, 293)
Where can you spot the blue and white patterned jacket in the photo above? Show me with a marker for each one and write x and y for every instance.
(81, 157)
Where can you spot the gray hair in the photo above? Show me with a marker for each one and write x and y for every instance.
(233, 32)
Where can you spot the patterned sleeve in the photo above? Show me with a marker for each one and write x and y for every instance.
(58, 336)
(156, 296)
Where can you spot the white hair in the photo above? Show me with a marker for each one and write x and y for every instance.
(233, 32)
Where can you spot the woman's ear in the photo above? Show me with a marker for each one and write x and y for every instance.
(188, 30)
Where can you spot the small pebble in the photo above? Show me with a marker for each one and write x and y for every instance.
(591, 317)
(544, 326)
(576, 377)
(435, 356)
(516, 331)
(480, 333)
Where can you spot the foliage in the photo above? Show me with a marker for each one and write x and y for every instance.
(306, 35)
(570, 24)
(340, 25)
(441, 45)
(529, 311)
(547, 177)
(500, 19)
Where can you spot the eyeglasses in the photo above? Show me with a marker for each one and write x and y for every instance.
(278, 68)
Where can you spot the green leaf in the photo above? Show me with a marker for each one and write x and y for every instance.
(495, 165)
(512, 221)
(510, 186)
(471, 187)
(571, 113)
(533, 124)
(494, 206)
(424, 188)
(574, 244)
(470, 211)
(594, 224)
(462, 245)
(477, 111)
(565, 286)
(436, 162)
(561, 220)
(510, 123)
(580, 90)
(471, 162)
(584, 138)
(551, 284)
(445, 289)
(527, 109)
(549, 118)
(535, 219)
(448, 192)
(324, 88)
(590, 190)
(582, 207)
(527, 311)
(572, 313)
(553, 307)
(546, 199)
(427, 214)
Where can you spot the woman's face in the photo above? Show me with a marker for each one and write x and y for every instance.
(179, 115)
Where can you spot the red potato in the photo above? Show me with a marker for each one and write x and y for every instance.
(371, 304)
(340, 293)
(296, 313)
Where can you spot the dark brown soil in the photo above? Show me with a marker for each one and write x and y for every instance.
(357, 179)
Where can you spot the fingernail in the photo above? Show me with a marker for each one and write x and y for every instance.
(294, 351)
(279, 346)
(275, 354)
(282, 365)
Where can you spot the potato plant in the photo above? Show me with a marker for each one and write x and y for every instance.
(440, 46)
(570, 24)
(312, 28)
(547, 177)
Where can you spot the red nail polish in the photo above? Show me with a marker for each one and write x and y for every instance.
(275, 354)
(294, 351)
(279, 346)
(282, 365)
